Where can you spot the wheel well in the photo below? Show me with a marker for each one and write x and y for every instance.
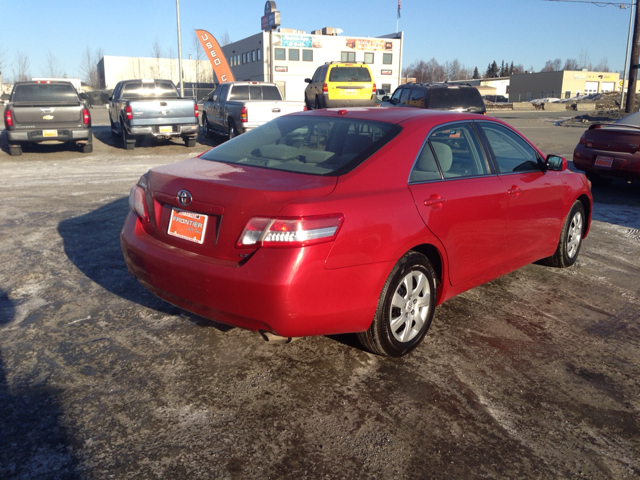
(433, 255)
(586, 204)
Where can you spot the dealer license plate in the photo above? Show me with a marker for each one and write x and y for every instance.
(350, 91)
(50, 133)
(187, 225)
(604, 161)
(166, 129)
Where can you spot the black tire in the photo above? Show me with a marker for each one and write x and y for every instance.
(307, 103)
(206, 129)
(190, 142)
(316, 105)
(128, 143)
(404, 311)
(233, 131)
(15, 150)
(599, 181)
(86, 147)
(570, 238)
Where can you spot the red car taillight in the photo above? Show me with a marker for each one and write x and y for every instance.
(128, 112)
(137, 201)
(290, 232)
(374, 89)
(86, 117)
(8, 119)
(583, 139)
(243, 114)
(325, 88)
(195, 109)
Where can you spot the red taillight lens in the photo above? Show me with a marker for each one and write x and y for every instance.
(374, 89)
(137, 201)
(195, 109)
(243, 114)
(325, 88)
(86, 117)
(8, 119)
(129, 112)
(290, 232)
(583, 139)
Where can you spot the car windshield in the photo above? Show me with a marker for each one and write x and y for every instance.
(349, 74)
(45, 92)
(145, 90)
(456, 98)
(307, 144)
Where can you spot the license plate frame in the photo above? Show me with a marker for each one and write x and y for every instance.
(350, 91)
(165, 129)
(190, 226)
(605, 162)
(49, 133)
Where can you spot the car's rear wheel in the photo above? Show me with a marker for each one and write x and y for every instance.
(405, 308)
(128, 143)
(570, 238)
(15, 150)
(316, 105)
(233, 131)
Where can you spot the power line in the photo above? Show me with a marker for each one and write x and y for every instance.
(597, 4)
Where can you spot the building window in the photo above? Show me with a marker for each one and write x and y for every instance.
(294, 54)
(259, 54)
(244, 58)
(307, 55)
(567, 94)
(253, 55)
(386, 87)
(387, 58)
(348, 57)
(280, 54)
(368, 58)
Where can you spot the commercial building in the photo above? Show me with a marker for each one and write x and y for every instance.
(525, 87)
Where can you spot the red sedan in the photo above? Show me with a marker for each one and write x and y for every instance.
(359, 220)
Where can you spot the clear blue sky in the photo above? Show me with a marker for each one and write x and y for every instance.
(476, 32)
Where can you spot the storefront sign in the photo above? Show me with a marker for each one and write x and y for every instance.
(271, 17)
(282, 69)
(386, 72)
(304, 41)
(369, 44)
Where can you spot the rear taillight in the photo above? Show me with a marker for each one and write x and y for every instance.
(325, 88)
(137, 201)
(8, 119)
(128, 112)
(374, 89)
(243, 114)
(195, 110)
(583, 139)
(290, 232)
(86, 117)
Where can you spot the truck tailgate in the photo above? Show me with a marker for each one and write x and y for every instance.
(162, 112)
(41, 116)
(265, 111)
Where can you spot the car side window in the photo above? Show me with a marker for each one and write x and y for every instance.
(316, 75)
(511, 152)
(396, 95)
(457, 151)
(426, 168)
(405, 96)
(417, 97)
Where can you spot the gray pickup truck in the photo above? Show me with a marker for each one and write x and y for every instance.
(237, 107)
(140, 108)
(47, 112)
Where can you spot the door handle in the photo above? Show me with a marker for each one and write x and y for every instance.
(434, 201)
(515, 190)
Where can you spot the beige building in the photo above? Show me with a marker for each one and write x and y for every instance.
(525, 87)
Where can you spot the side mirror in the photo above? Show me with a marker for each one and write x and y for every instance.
(308, 80)
(385, 98)
(556, 163)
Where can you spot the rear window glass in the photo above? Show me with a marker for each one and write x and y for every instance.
(307, 144)
(241, 92)
(257, 92)
(45, 92)
(349, 74)
(142, 90)
(455, 98)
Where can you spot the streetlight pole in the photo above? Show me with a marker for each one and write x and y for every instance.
(626, 56)
(633, 68)
(179, 49)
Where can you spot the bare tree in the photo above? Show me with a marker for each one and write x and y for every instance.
(603, 66)
(157, 53)
(571, 64)
(225, 39)
(21, 67)
(89, 67)
(52, 66)
(517, 69)
(584, 60)
(199, 56)
(552, 66)
(2, 59)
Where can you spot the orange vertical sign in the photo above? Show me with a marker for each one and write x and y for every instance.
(215, 56)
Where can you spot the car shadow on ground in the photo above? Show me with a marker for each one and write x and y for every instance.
(92, 242)
(103, 134)
(34, 441)
(618, 203)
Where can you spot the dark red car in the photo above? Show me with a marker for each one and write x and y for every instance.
(608, 151)
(359, 220)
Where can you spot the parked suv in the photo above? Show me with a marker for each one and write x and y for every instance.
(337, 84)
(437, 96)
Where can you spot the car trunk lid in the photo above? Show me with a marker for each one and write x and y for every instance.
(614, 139)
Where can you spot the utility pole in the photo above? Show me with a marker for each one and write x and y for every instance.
(633, 68)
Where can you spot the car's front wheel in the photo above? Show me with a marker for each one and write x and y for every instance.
(405, 308)
(570, 238)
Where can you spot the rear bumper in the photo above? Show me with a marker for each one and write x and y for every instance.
(286, 291)
(337, 103)
(624, 165)
(37, 136)
(176, 130)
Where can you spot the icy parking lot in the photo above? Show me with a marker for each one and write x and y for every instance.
(533, 375)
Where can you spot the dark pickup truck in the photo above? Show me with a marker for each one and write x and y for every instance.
(46, 111)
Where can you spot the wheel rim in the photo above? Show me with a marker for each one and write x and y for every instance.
(410, 306)
(232, 132)
(574, 235)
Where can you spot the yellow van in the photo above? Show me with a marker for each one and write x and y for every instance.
(337, 84)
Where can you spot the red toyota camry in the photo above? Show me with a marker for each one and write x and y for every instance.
(358, 220)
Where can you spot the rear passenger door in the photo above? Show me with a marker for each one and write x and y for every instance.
(461, 201)
(535, 196)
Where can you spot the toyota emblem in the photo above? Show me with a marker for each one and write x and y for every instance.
(184, 197)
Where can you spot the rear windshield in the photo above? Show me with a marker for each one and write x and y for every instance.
(456, 98)
(45, 92)
(145, 90)
(307, 144)
(255, 92)
(349, 74)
